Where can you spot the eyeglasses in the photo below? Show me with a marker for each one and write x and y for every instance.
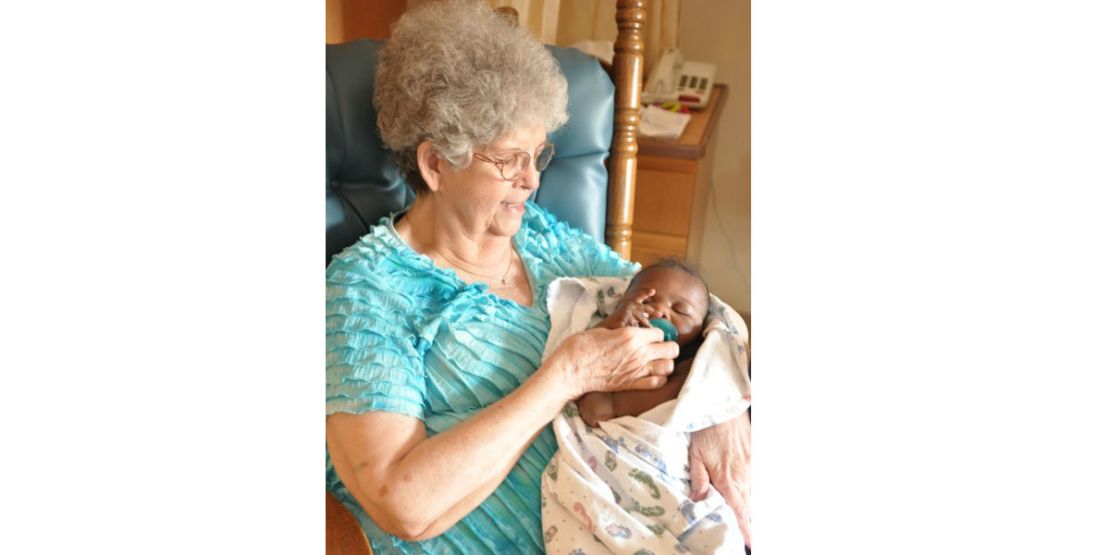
(512, 167)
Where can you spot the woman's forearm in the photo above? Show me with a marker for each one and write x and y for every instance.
(409, 482)
(470, 502)
(442, 478)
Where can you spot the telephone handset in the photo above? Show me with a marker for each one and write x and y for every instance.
(672, 79)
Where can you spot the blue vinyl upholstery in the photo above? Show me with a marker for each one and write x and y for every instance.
(363, 183)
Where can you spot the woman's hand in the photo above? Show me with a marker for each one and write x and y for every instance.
(720, 455)
(601, 359)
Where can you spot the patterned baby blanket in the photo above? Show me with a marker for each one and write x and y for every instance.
(624, 487)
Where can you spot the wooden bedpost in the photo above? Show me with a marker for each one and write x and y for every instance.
(628, 70)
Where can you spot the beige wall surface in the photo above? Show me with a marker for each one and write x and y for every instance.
(719, 32)
(586, 20)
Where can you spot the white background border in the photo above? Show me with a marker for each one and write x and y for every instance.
(929, 244)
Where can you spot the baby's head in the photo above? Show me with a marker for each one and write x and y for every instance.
(681, 296)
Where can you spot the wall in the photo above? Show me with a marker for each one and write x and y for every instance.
(586, 20)
(333, 17)
(357, 19)
(720, 33)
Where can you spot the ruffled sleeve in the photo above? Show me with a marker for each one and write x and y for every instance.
(572, 251)
(373, 358)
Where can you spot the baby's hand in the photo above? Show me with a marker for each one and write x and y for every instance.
(631, 312)
(596, 406)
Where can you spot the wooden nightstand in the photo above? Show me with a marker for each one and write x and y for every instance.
(672, 184)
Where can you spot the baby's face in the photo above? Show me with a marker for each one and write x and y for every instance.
(679, 297)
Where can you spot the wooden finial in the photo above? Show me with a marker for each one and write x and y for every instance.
(628, 71)
(509, 13)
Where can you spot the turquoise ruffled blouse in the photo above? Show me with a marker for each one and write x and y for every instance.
(408, 337)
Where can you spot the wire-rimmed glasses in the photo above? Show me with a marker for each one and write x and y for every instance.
(514, 165)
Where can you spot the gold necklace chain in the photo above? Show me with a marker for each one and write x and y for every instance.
(504, 276)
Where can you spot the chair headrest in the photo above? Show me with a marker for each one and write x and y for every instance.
(364, 184)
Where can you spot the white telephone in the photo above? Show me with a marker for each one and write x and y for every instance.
(672, 80)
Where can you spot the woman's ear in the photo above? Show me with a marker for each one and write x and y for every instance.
(427, 159)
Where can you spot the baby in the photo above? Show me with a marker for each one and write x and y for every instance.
(669, 290)
(626, 483)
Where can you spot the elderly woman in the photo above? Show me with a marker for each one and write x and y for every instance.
(438, 405)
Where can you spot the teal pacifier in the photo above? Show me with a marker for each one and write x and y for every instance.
(669, 331)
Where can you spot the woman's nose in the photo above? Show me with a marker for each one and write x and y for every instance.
(530, 177)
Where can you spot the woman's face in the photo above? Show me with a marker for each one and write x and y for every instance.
(485, 201)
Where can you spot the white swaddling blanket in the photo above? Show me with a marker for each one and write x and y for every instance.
(624, 487)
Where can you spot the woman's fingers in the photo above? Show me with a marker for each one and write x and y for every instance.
(699, 480)
(623, 358)
(644, 336)
(662, 367)
(656, 357)
(733, 492)
(746, 528)
(719, 453)
(657, 372)
(662, 350)
(647, 382)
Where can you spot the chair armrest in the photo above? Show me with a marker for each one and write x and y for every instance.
(344, 535)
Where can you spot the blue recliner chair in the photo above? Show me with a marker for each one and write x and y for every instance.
(363, 183)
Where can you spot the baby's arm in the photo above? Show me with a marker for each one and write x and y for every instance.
(599, 406)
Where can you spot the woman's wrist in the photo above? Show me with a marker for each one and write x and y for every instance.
(558, 375)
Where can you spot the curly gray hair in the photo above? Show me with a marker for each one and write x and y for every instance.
(459, 75)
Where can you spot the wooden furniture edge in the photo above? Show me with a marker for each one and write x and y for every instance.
(628, 70)
(687, 151)
(343, 534)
